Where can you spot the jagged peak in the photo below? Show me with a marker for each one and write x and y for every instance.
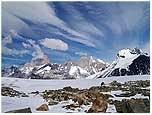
(129, 52)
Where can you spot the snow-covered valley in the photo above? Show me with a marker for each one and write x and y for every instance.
(35, 100)
(29, 85)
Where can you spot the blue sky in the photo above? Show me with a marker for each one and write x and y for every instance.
(67, 30)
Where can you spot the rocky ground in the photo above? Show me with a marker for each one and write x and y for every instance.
(7, 91)
(129, 97)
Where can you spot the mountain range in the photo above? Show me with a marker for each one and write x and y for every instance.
(128, 62)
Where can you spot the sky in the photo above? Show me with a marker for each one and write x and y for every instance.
(67, 30)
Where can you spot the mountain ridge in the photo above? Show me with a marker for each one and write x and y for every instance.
(128, 62)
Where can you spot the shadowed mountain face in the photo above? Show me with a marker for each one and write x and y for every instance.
(139, 66)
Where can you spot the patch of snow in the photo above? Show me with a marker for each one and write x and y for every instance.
(59, 107)
(73, 70)
(13, 103)
(137, 96)
(125, 53)
(77, 70)
(82, 71)
(111, 109)
(125, 62)
(145, 88)
(94, 70)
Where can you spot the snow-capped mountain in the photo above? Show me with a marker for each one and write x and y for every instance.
(41, 68)
(34, 64)
(128, 62)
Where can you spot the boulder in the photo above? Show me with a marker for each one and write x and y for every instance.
(138, 106)
(68, 89)
(43, 107)
(25, 110)
(99, 105)
(133, 106)
(121, 106)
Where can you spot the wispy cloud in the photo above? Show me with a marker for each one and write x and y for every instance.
(81, 53)
(82, 25)
(16, 59)
(9, 40)
(43, 13)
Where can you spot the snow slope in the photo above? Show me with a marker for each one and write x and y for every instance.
(118, 63)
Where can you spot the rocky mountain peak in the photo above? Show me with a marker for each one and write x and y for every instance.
(129, 52)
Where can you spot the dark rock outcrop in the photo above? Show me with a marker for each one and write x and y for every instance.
(139, 66)
(25, 110)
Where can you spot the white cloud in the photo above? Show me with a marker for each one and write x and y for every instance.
(54, 44)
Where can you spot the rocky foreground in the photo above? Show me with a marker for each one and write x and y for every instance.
(129, 97)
